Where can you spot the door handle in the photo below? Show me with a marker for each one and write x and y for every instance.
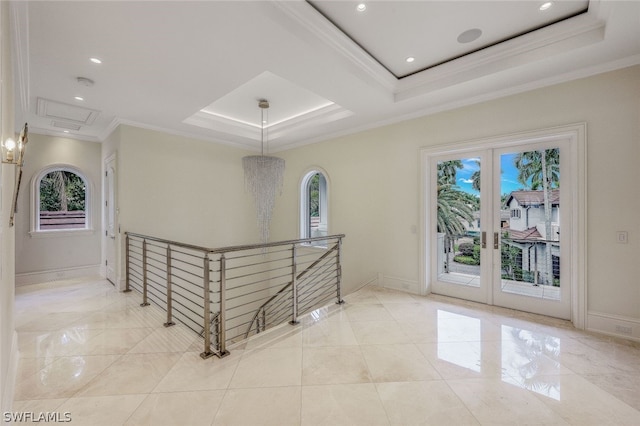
(484, 239)
(495, 240)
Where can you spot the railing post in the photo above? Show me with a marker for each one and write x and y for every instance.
(169, 296)
(144, 274)
(339, 272)
(222, 316)
(207, 310)
(294, 287)
(127, 287)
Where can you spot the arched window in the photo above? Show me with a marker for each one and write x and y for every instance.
(314, 208)
(61, 200)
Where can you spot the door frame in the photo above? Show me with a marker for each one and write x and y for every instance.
(577, 135)
(110, 160)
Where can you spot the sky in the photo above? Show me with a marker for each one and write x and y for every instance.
(509, 175)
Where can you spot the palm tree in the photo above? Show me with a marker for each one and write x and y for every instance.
(475, 177)
(447, 171)
(453, 208)
(60, 187)
(542, 169)
(453, 205)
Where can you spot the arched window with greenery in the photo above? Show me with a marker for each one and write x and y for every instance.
(314, 209)
(61, 200)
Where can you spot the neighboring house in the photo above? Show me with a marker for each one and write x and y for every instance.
(526, 232)
(474, 227)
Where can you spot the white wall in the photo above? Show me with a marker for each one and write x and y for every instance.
(375, 185)
(8, 336)
(179, 189)
(36, 255)
(183, 189)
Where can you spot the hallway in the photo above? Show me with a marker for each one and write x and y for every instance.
(382, 358)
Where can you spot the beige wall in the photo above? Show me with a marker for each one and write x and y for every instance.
(183, 189)
(375, 182)
(179, 189)
(63, 253)
(8, 339)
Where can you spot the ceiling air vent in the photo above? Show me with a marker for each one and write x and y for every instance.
(65, 112)
(65, 125)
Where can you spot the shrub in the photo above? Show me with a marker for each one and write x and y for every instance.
(476, 253)
(466, 249)
(466, 260)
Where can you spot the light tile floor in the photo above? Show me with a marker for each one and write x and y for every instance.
(382, 358)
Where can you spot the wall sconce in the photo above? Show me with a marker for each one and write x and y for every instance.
(12, 152)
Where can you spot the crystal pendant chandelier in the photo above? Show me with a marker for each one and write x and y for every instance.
(263, 177)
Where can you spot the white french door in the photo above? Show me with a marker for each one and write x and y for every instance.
(500, 223)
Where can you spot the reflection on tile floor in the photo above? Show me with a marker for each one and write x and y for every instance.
(384, 357)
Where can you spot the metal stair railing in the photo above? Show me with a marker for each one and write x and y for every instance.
(222, 294)
(260, 317)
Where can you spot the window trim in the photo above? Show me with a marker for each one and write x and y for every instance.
(303, 201)
(35, 230)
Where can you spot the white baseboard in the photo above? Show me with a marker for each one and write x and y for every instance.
(9, 387)
(614, 325)
(57, 274)
(400, 284)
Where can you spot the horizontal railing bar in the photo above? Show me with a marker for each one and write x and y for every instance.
(251, 274)
(266, 262)
(173, 243)
(177, 251)
(187, 272)
(185, 289)
(265, 280)
(254, 292)
(281, 308)
(151, 272)
(271, 278)
(319, 284)
(258, 253)
(275, 255)
(320, 275)
(184, 262)
(252, 302)
(188, 309)
(231, 249)
(313, 294)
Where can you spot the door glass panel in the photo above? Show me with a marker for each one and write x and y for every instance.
(458, 221)
(530, 223)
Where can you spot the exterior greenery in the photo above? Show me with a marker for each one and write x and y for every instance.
(62, 190)
(455, 207)
(314, 195)
(541, 171)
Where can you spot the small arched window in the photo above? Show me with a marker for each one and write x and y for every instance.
(61, 200)
(314, 206)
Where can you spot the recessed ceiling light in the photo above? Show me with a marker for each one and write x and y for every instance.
(65, 131)
(410, 59)
(546, 5)
(361, 7)
(79, 98)
(95, 60)
(85, 81)
(470, 35)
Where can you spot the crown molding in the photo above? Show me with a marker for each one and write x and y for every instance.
(312, 21)
(448, 106)
(573, 33)
(116, 122)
